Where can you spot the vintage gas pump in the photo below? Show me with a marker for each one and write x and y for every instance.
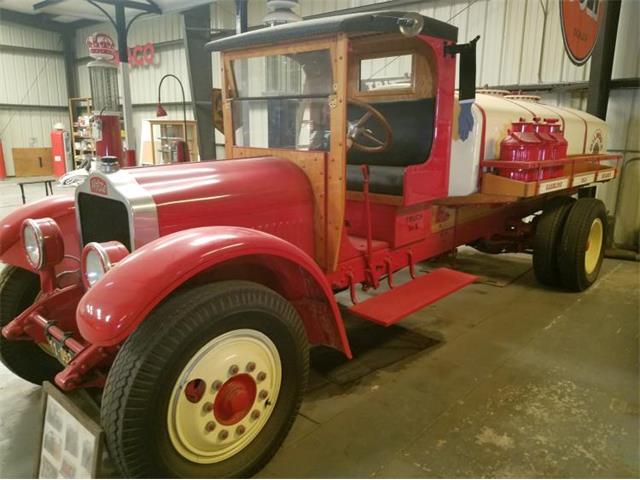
(103, 76)
(61, 150)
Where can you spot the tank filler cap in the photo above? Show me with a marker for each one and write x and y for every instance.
(108, 164)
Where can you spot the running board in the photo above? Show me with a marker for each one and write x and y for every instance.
(392, 306)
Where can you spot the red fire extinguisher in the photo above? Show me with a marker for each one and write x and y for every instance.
(61, 150)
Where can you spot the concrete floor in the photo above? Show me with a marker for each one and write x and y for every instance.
(498, 380)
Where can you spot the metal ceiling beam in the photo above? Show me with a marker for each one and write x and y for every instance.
(46, 3)
(43, 22)
(150, 7)
(615, 84)
(76, 24)
(34, 21)
(197, 23)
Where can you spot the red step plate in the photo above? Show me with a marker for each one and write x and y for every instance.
(392, 306)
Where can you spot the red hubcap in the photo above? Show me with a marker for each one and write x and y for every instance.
(235, 399)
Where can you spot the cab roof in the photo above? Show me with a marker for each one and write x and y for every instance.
(372, 22)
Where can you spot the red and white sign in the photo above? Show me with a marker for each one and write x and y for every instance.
(607, 174)
(101, 46)
(98, 185)
(580, 20)
(142, 55)
(553, 185)
(583, 179)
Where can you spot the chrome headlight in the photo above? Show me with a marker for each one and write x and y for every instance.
(99, 258)
(42, 242)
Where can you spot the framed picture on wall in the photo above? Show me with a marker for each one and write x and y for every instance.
(71, 441)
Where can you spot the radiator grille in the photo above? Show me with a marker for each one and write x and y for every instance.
(103, 220)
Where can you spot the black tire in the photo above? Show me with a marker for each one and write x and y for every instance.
(575, 240)
(546, 240)
(138, 387)
(18, 290)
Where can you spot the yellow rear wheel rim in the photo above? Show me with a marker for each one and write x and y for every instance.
(594, 246)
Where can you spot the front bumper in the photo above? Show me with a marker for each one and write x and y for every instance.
(51, 320)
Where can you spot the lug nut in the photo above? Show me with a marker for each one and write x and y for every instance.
(261, 376)
(208, 407)
(217, 385)
(240, 429)
(233, 370)
(223, 435)
(210, 426)
(255, 415)
(263, 394)
(250, 367)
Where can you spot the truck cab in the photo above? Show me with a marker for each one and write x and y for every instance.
(358, 93)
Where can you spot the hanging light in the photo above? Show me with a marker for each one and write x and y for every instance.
(160, 111)
(281, 12)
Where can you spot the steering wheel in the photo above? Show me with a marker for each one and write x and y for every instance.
(358, 129)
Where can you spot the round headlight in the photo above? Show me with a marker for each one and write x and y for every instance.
(42, 242)
(33, 242)
(98, 258)
(95, 265)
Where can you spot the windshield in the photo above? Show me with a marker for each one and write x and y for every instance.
(282, 101)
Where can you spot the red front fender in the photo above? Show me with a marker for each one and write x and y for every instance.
(113, 307)
(59, 207)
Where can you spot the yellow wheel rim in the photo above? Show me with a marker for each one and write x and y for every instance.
(224, 396)
(594, 246)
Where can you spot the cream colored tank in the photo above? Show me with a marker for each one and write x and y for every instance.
(493, 113)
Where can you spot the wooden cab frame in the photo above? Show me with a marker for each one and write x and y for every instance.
(325, 169)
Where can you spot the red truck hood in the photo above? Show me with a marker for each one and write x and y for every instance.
(266, 193)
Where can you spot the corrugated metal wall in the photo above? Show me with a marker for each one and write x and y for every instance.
(30, 78)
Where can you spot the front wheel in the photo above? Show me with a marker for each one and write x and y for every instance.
(208, 385)
(18, 290)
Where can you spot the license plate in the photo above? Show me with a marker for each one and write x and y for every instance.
(62, 353)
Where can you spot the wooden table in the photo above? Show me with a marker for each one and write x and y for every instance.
(48, 187)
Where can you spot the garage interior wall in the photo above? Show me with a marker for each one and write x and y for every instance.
(33, 90)
(512, 51)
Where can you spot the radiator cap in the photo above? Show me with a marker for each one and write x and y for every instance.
(109, 164)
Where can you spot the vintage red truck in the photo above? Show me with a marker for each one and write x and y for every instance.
(191, 293)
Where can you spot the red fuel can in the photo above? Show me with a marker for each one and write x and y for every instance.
(521, 145)
(560, 148)
(547, 144)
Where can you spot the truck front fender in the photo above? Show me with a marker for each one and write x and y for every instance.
(59, 207)
(111, 310)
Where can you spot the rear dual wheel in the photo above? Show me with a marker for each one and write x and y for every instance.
(581, 248)
(547, 238)
(569, 243)
(208, 385)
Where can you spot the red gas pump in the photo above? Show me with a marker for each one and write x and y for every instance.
(61, 150)
(103, 76)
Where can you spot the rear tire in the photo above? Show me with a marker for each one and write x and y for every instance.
(18, 290)
(546, 240)
(161, 422)
(582, 244)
